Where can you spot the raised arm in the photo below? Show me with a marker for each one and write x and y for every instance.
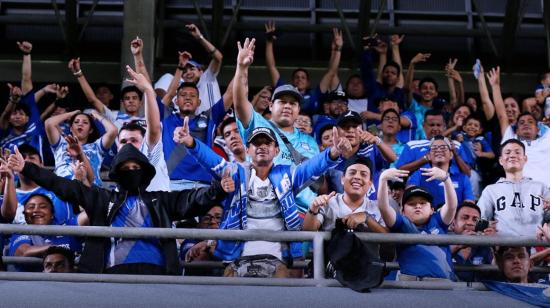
(9, 204)
(494, 80)
(52, 125)
(245, 57)
(183, 57)
(74, 66)
(453, 97)
(388, 213)
(335, 55)
(60, 93)
(217, 57)
(152, 113)
(136, 47)
(111, 131)
(14, 99)
(270, 33)
(72, 191)
(50, 88)
(488, 107)
(448, 210)
(395, 41)
(420, 57)
(382, 49)
(26, 69)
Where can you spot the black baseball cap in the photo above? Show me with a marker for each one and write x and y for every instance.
(287, 89)
(413, 191)
(268, 132)
(350, 116)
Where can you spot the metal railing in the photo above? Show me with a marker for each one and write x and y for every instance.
(318, 238)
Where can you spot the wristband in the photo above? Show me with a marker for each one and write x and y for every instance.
(270, 36)
(446, 178)
(26, 53)
(201, 37)
(378, 140)
(312, 212)
(337, 49)
(78, 74)
(426, 158)
(181, 68)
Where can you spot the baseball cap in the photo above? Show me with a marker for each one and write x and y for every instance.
(349, 116)
(287, 89)
(414, 191)
(193, 63)
(262, 131)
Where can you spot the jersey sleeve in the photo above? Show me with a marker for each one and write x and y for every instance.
(405, 157)
(16, 241)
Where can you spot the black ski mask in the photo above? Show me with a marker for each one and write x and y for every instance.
(130, 180)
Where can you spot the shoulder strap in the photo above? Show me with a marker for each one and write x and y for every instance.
(297, 158)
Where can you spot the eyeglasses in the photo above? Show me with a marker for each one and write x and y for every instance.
(208, 219)
(390, 119)
(303, 122)
(439, 148)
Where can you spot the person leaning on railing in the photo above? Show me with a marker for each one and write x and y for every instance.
(129, 205)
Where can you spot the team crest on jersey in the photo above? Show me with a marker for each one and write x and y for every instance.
(285, 183)
(306, 146)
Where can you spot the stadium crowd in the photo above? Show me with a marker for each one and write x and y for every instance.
(383, 151)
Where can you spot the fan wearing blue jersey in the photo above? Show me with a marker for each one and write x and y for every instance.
(84, 143)
(39, 210)
(418, 261)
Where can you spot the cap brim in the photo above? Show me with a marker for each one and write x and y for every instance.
(419, 194)
(259, 134)
(345, 120)
(287, 92)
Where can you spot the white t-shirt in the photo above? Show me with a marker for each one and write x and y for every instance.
(93, 151)
(337, 208)
(358, 105)
(537, 151)
(161, 181)
(263, 213)
(119, 118)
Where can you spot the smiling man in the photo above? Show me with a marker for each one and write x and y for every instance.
(515, 201)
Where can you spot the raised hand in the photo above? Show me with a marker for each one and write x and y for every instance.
(337, 39)
(543, 233)
(245, 56)
(16, 162)
(5, 171)
(393, 174)
(434, 173)
(396, 39)
(15, 93)
(183, 58)
(367, 136)
(421, 57)
(62, 92)
(182, 135)
(494, 76)
(320, 201)
(270, 30)
(451, 64)
(477, 148)
(79, 170)
(74, 65)
(51, 88)
(194, 30)
(25, 47)
(138, 80)
(136, 46)
(340, 145)
(73, 147)
(228, 185)
(382, 47)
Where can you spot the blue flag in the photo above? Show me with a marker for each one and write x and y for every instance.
(533, 293)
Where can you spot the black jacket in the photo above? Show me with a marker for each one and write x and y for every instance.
(101, 205)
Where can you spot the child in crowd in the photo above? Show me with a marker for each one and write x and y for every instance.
(477, 146)
(419, 261)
